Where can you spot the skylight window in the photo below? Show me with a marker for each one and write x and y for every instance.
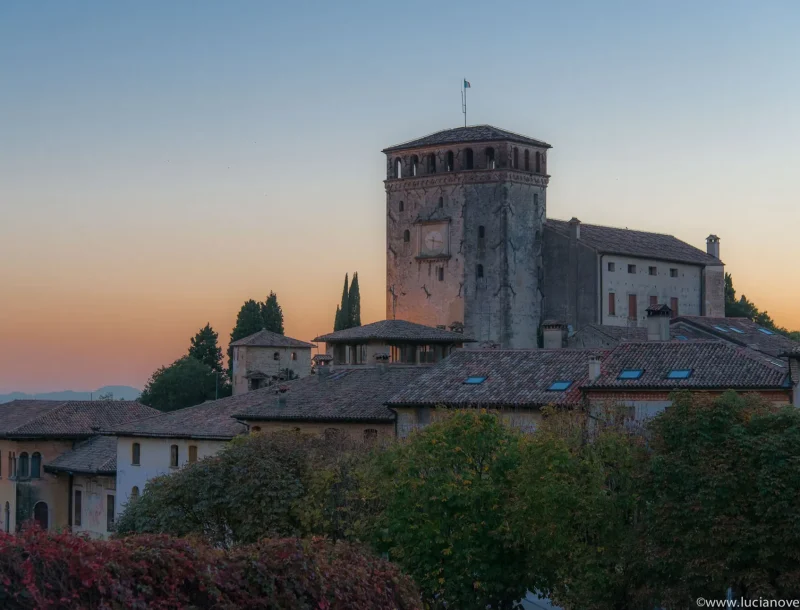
(559, 386)
(474, 380)
(765, 331)
(682, 338)
(736, 330)
(631, 374)
(679, 374)
(720, 329)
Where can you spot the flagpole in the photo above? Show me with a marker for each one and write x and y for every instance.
(464, 87)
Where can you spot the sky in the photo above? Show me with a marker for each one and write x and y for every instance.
(162, 162)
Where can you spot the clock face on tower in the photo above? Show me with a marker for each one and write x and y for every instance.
(433, 242)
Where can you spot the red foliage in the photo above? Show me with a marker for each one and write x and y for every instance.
(60, 571)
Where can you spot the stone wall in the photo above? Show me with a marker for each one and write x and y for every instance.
(714, 291)
(252, 358)
(352, 429)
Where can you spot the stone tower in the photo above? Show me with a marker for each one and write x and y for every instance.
(465, 210)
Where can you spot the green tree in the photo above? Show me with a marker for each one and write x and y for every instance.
(354, 304)
(184, 383)
(248, 321)
(446, 517)
(272, 314)
(722, 496)
(203, 347)
(342, 318)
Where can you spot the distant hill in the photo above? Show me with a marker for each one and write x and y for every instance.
(124, 392)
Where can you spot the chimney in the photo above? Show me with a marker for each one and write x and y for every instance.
(282, 392)
(594, 368)
(658, 317)
(552, 334)
(382, 362)
(712, 245)
(575, 229)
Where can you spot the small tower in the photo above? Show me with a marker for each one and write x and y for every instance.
(465, 210)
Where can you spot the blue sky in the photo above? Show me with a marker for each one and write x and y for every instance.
(166, 160)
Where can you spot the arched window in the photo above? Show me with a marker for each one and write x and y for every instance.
(441, 202)
(406, 236)
(450, 160)
(490, 164)
(515, 160)
(173, 456)
(402, 206)
(432, 163)
(23, 471)
(538, 162)
(527, 160)
(136, 454)
(36, 465)
(370, 435)
(192, 454)
(40, 515)
(134, 494)
(276, 356)
(294, 356)
(481, 232)
(414, 164)
(469, 161)
(398, 168)
(479, 271)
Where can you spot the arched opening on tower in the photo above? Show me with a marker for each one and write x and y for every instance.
(469, 161)
(414, 164)
(527, 160)
(441, 202)
(402, 206)
(481, 232)
(515, 158)
(479, 271)
(406, 236)
(490, 163)
(538, 162)
(432, 163)
(450, 160)
(398, 168)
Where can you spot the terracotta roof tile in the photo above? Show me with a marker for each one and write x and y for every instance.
(740, 331)
(395, 330)
(97, 455)
(465, 135)
(266, 338)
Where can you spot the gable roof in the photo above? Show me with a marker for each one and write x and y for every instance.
(395, 330)
(514, 378)
(740, 331)
(266, 338)
(473, 133)
(97, 455)
(66, 419)
(640, 244)
(714, 365)
(344, 394)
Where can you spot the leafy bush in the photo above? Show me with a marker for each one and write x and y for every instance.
(40, 570)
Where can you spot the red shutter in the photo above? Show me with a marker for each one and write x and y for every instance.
(653, 301)
(673, 304)
(632, 309)
(612, 304)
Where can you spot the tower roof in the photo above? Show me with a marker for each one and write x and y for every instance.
(266, 338)
(459, 135)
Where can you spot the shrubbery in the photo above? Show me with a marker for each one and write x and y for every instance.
(41, 570)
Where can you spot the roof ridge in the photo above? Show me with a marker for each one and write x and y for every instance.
(589, 224)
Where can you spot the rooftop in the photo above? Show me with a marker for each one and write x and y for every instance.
(266, 338)
(66, 419)
(741, 331)
(394, 330)
(464, 135)
(97, 456)
(513, 378)
(640, 244)
(356, 394)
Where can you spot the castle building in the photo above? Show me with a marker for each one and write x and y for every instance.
(469, 243)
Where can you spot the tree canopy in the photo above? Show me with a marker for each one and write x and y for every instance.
(348, 312)
(272, 314)
(203, 347)
(184, 383)
(253, 317)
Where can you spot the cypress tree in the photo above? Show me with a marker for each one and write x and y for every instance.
(336, 319)
(272, 314)
(344, 309)
(354, 302)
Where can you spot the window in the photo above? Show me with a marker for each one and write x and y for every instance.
(682, 338)
(673, 272)
(673, 305)
(293, 356)
(440, 273)
(406, 236)
(630, 374)
(490, 164)
(481, 232)
(765, 331)
(173, 456)
(402, 206)
(134, 494)
(109, 512)
(611, 267)
(721, 329)
(538, 162)
(135, 454)
(398, 168)
(679, 374)
(515, 158)
(77, 507)
(527, 160)
(12, 465)
(479, 271)
(474, 380)
(36, 465)
(469, 161)
(631, 268)
(536, 203)
(276, 356)
(414, 164)
(370, 435)
(653, 300)
(432, 163)
(450, 160)
(736, 330)
(22, 466)
(192, 454)
(441, 202)
(633, 309)
(559, 386)
(612, 304)
(653, 270)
